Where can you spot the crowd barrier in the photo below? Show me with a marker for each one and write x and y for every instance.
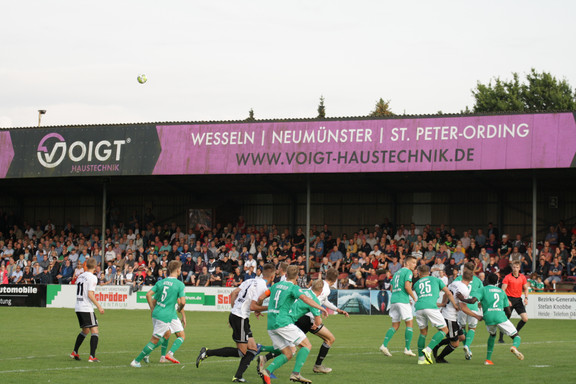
(362, 302)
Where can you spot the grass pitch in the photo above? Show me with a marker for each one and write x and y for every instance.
(35, 344)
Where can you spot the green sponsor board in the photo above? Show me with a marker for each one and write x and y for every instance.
(195, 298)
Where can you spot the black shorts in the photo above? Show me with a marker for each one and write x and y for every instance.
(87, 319)
(517, 304)
(454, 330)
(240, 329)
(305, 325)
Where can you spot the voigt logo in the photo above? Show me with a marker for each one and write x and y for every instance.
(77, 151)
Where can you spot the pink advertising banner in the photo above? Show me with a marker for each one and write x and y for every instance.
(529, 141)
(394, 145)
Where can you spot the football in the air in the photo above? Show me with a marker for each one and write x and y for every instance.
(142, 79)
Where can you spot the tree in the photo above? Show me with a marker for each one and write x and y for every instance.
(540, 92)
(251, 115)
(321, 109)
(382, 109)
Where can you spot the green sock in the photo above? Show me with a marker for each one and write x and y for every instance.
(421, 344)
(164, 347)
(436, 339)
(470, 337)
(388, 336)
(408, 337)
(491, 341)
(301, 359)
(147, 350)
(516, 341)
(277, 363)
(176, 345)
(268, 348)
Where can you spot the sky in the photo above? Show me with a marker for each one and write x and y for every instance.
(217, 59)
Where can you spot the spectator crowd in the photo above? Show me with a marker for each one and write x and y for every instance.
(137, 253)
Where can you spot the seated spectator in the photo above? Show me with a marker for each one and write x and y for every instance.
(358, 280)
(46, 276)
(372, 281)
(16, 276)
(526, 261)
(395, 266)
(344, 283)
(249, 274)
(139, 278)
(129, 276)
(386, 283)
(571, 263)
(324, 267)
(492, 266)
(303, 279)
(554, 275)
(108, 278)
(437, 267)
(27, 276)
(3, 274)
(188, 270)
(217, 278)
(234, 279)
(203, 279)
(542, 268)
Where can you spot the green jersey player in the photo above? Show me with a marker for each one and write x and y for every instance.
(400, 308)
(494, 300)
(162, 299)
(464, 320)
(281, 328)
(428, 288)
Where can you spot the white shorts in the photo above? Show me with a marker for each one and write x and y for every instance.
(160, 327)
(464, 319)
(506, 327)
(400, 311)
(433, 315)
(286, 336)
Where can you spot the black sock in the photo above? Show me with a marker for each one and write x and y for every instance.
(93, 344)
(245, 362)
(270, 356)
(501, 338)
(79, 341)
(224, 352)
(520, 325)
(446, 351)
(324, 349)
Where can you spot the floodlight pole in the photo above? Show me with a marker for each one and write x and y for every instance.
(104, 192)
(307, 236)
(534, 218)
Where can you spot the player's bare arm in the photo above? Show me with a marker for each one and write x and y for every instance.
(150, 299)
(408, 288)
(450, 297)
(181, 305)
(92, 298)
(234, 296)
(470, 300)
(464, 308)
(254, 306)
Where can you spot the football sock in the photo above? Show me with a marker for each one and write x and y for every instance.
(437, 339)
(442, 342)
(176, 344)
(163, 347)
(446, 351)
(421, 344)
(408, 337)
(391, 331)
(520, 325)
(79, 339)
(277, 363)
(93, 344)
(271, 355)
(245, 362)
(324, 349)
(301, 359)
(267, 348)
(148, 348)
(491, 341)
(470, 337)
(516, 341)
(223, 352)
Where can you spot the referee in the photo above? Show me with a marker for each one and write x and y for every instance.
(514, 285)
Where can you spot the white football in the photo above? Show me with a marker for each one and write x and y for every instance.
(142, 79)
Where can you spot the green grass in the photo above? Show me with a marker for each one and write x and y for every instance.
(35, 343)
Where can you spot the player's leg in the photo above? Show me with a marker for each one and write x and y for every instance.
(408, 334)
(508, 328)
(161, 331)
(250, 351)
(176, 328)
(490, 344)
(94, 338)
(521, 310)
(164, 350)
(455, 335)
(436, 319)
(301, 356)
(508, 312)
(238, 335)
(396, 317)
(328, 340)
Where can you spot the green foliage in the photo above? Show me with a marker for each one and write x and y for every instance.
(382, 109)
(539, 92)
(321, 109)
(250, 115)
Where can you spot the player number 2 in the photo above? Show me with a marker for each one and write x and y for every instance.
(497, 299)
